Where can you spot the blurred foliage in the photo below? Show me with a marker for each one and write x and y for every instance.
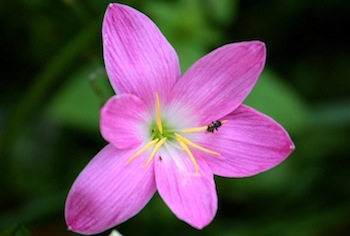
(54, 84)
(16, 230)
(271, 96)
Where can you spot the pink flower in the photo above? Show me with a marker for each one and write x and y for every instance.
(169, 132)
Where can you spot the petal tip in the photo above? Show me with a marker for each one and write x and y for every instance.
(260, 47)
(257, 47)
(292, 147)
(112, 8)
(113, 5)
(71, 221)
(200, 226)
(258, 43)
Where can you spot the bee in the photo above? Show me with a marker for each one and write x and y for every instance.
(214, 126)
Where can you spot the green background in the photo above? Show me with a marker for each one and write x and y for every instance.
(53, 84)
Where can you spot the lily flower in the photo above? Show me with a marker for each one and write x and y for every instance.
(171, 133)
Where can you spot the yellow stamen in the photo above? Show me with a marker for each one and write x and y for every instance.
(159, 118)
(197, 129)
(155, 149)
(188, 142)
(144, 148)
(193, 130)
(189, 153)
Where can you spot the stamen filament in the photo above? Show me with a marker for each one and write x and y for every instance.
(189, 153)
(144, 148)
(198, 129)
(155, 149)
(159, 118)
(188, 142)
(193, 130)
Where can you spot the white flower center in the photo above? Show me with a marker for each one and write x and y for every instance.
(162, 132)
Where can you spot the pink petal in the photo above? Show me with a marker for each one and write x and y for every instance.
(191, 197)
(108, 191)
(249, 143)
(124, 121)
(219, 82)
(138, 58)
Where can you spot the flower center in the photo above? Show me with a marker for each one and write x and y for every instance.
(167, 131)
(161, 132)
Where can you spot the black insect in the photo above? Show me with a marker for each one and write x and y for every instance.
(214, 126)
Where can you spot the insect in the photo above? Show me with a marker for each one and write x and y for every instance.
(214, 126)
